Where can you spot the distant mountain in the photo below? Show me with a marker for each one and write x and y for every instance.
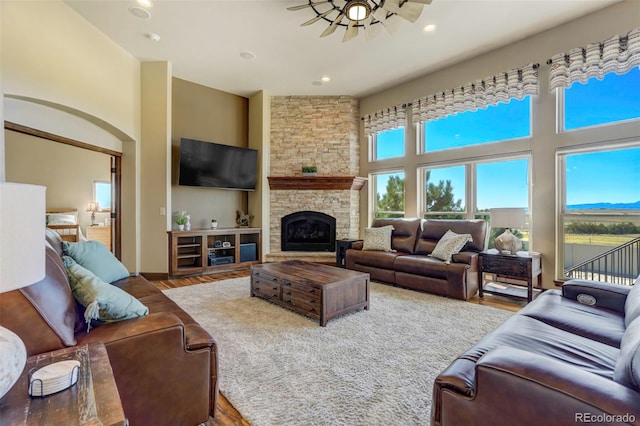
(607, 206)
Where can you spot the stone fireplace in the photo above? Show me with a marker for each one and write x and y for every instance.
(321, 131)
(308, 231)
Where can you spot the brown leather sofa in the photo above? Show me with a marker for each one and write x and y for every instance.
(410, 265)
(165, 364)
(569, 357)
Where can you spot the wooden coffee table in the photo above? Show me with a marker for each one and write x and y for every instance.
(318, 291)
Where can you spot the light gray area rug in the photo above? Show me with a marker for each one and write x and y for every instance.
(373, 367)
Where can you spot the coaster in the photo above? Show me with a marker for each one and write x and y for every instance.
(54, 378)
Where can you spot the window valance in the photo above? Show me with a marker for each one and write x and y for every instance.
(617, 54)
(516, 83)
(387, 119)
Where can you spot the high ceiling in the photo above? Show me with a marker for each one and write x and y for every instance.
(204, 40)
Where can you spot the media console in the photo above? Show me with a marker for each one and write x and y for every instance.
(207, 251)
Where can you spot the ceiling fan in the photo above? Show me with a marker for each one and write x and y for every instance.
(370, 15)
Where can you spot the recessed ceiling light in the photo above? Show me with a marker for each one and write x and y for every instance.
(326, 79)
(139, 12)
(317, 83)
(153, 37)
(247, 55)
(429, 28)
(145, 3)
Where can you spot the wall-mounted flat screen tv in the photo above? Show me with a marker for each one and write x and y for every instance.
(217, 166)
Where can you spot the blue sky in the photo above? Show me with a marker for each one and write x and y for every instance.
(599, 177)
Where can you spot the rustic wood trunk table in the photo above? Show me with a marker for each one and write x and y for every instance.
(320, 292)
(93, 400)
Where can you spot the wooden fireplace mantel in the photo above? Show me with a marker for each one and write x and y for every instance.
(316, 182)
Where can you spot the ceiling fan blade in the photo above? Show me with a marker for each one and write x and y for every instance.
(316, 19)
(371, 31)
(419, 1)
(392, 24)
(331, 28)
(409, 11)
(304, 6)
(351, 32)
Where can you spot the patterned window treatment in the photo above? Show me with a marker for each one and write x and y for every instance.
(387, 119)
(616, 54)
(516, 83)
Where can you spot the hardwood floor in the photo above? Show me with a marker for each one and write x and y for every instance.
(226, 414)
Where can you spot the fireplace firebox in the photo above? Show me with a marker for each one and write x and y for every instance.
(308, 231)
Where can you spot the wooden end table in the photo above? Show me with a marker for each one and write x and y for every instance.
(524, 266)
(93, 400)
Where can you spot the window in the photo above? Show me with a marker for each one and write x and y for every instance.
(102, 194)
(389, 194)
(503, 184)
(600, 209)
(499, 122)
(444, 192)
(470, 190)
(388, 144)
(612, 99)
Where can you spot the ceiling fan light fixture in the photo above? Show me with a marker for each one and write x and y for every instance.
(357, 10)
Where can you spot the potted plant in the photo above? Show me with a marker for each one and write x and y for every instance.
(214, 223)
(309, 170)
(181, 219)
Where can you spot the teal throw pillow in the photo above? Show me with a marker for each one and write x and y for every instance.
(103, 301)
(94, 256)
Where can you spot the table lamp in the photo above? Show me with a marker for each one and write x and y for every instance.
(508, 218)
(93, 207)
(22, 263)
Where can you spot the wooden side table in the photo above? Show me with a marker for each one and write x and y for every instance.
(341, 251)
(523, 266)
(93, 400)
(100, 233)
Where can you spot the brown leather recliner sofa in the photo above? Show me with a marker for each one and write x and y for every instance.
(410, 265)
(569, 357)
(165, 364)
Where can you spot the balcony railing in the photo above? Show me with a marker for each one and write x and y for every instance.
(620, 265)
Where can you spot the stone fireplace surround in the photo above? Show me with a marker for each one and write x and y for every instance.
(321, 131)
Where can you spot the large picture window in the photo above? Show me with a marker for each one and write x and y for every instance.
(499, 122)
(444, 192)
(600, 209)
(388, 144)
(614, 98)
(388, 190)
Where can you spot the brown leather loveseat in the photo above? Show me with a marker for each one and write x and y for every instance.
(410, 265)
(165, 364)
(569, 357)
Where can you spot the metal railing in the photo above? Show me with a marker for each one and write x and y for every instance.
(620, 265)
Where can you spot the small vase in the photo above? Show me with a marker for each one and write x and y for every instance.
(214, 225)
(181, 227)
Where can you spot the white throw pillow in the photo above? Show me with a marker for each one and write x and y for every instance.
(70, 218)
(450, 244)
(378, 238)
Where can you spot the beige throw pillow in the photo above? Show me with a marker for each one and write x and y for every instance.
(378, 238)
(450, 244)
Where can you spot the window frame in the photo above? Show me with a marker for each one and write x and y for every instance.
(373, 208)
(373, 145)
(95, 192)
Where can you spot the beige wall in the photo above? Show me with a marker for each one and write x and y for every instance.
(66, 171)
(210, 115)
(53, 57)
(155, 165)
(542, 146)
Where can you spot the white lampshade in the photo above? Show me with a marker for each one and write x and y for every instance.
(513, 218)
(22, 235)
(22, 263)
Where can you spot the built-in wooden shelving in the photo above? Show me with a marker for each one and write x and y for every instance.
(316, 182)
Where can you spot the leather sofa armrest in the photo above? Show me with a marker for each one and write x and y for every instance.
(468, 257)
(534, 372)
(596, 293)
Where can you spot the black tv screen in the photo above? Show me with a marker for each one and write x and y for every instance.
(217, 166)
